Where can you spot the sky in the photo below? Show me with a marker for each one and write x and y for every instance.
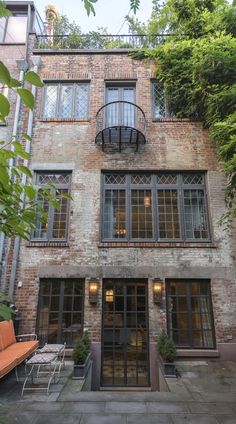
(109, 13)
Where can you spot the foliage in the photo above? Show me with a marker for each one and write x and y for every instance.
(7, 308)
(89, 5)
(81, 349)
(166, 347)
(196, 64)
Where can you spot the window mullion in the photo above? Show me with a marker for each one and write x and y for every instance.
(58, 101)
(74, 92)
(180, 191)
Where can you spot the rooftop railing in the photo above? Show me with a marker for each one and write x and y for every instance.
(95, 40)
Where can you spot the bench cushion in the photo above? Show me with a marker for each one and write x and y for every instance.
(21, 350)
(7, 334)
(6, 365)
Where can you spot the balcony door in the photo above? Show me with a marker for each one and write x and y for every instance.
(120, 113)
(125, 353)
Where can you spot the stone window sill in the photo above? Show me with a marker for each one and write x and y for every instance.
(185, 245)
(197, 353)
(48, 244)
(85, 120)
(169, 119)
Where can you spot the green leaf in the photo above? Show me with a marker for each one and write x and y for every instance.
(89, 7)
(27, 97)
(20, 151)
(4, 177)
(4, 106)
(14, 83)
(24, 170)
(5, 312)
(34, 79)
(30, 192)
(5, 77)
(25, 136)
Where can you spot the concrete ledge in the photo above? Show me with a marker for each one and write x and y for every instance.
(194, 353)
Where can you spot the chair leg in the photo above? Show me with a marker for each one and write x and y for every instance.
(16, 372)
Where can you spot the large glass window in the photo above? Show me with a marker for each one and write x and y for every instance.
(66, 100)
(60, 314)
(13, 28)
(154, 207)
(189, 311)
(55, 228)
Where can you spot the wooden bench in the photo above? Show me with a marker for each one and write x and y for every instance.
(13, 352)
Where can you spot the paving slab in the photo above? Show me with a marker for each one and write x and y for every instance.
(61, 419)
(148, 419)
(103, 419)
(193, 419)
(84, 407)
(211, 408)
(226, 419)
(126, 407)
(166, 407)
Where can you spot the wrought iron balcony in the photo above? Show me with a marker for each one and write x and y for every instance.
(120, 124)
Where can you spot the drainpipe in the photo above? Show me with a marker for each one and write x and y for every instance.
(22, 66)
(36, 62)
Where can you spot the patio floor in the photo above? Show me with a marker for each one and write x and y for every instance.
(205, 393)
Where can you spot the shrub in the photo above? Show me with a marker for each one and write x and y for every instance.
(166, 347)
(86, 340)
(81, 349)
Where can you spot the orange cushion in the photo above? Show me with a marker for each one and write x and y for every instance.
(7, 334)
(21, 350)
(6, 365)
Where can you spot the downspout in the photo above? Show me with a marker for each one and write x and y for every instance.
(22, 66)
(36, 62)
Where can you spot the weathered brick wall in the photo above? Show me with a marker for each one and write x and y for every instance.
(178, 145)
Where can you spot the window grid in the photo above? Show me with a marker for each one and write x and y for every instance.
(190, 319)
(159, 102)
(171, 218)
(67, 101)
(56, 226)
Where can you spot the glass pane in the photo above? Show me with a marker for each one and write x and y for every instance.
(141, 179)
(168, 214)
(114, 218)
(41, 227)
(16, 29)
(66, 101)
(51, 92)
(141, 207)
(115, 179)
(195, 214)
(167, 179)
(81, 102)
(60, 216)
(159, 104)
(55, 179)
(192, 179)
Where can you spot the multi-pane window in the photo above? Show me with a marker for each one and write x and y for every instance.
(189, 309)
(121, 110)
(55, 229)
(60, 314)
(66, 100)
(154, 207)
(13, 28)
(159, 102)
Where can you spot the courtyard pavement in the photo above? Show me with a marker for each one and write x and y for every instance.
(204, 393)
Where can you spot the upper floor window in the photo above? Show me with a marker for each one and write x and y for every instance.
(66, 100)
(13, 28)
(159, 101)
(154, 207)
(55, 229)
(121, 111)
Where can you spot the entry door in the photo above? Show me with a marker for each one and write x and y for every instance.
(125, 355)
(120, 114)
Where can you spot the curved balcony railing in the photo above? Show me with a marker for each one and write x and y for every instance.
(120, 124)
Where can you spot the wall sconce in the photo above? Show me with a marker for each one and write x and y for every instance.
(93, 291)
(157, 291)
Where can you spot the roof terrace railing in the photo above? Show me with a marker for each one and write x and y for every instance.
(95, 40)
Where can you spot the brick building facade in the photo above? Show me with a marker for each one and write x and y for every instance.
(143, 217)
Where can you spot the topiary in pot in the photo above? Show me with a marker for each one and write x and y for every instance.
(167, 351)
(80, 352)
(81, 357)
(86, 340)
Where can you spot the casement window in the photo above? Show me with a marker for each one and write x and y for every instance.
(56, 227)
(189, 313)
(121, 110)
(66, 100)
(13, 28)
(159, 102)
(154, 207)
(60, 310)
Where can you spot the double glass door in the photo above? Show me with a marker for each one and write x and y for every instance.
(120, 113)
(125, 355)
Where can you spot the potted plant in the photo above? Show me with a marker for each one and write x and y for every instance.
(81, 356)
(167, 353)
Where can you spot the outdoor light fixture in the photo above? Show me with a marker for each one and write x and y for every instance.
(147, 201)
(109, 295)
(157, 291)
(93, 291)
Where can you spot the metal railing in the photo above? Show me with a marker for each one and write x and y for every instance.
(95, 40)
(121, 114)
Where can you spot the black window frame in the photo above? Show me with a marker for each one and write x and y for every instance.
(189, 312)
(154, 186)
(60, 84)
(51, 212)
(61, 282)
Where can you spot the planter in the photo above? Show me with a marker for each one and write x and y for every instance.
(168, 368)
(80, 371)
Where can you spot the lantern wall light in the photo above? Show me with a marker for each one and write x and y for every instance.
(157, 291)
(93, 291)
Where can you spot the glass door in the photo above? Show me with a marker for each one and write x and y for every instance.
(125, 354)
(119, 113)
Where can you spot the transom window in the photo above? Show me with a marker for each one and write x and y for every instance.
(189, 311)
(60, 314)
(154, 207)
(66, 100)
(159, 102)
(55, 229)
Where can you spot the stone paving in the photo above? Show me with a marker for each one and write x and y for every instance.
(205, 393)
